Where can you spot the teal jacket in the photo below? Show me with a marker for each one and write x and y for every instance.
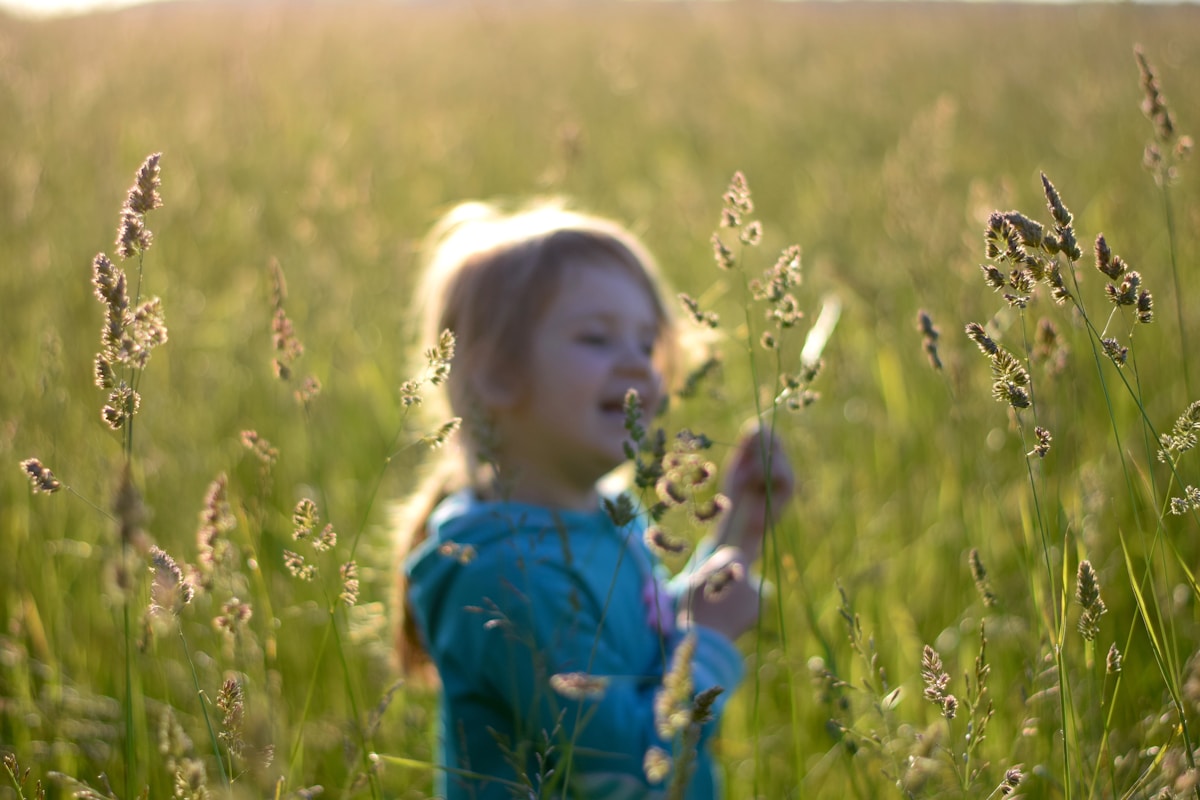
(507, 595)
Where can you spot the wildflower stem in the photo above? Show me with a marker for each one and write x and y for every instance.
(91, 504)
(752, 363)
(212, 734)
(294, 758)
(130, 744)
(364, 750)
(426, 766)
(1160, 657)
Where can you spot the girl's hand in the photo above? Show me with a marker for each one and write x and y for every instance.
(759, 482)
(721, 595)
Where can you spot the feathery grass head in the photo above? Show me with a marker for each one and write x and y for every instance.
(979, 575)
(305, 518)
(579, 685)
(235, 613)
(936, 681)
(1116, 352)
(663, 543)
(144, 196)
(298, 567)
(1190, 501)
(286, 344)
(231, 704)
(673, 703)
(738, 202)
(1012, 780)
(656, 764)
(1044, 438)
(216, 519)
(133, 237)
(170, 591)
(1154, 105)
(1113, 662)
(40, 477)
(1064, 241)
(108, 281)
(706, 319)
(1010, 382)
(1184, 435)
(441, 434)
(348, 573)
(984, 342)
(1087, 594)
(721, 579)
(721, 253)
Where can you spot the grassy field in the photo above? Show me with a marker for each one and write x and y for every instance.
(328, 138)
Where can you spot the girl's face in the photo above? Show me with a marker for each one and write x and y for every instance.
(564, 428)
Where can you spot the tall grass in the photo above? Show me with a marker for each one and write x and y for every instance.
(928, 556)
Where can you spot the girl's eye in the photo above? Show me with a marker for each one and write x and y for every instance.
(593, 339)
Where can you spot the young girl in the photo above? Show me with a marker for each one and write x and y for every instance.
(551, 628)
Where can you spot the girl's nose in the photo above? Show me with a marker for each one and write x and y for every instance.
(635, 359)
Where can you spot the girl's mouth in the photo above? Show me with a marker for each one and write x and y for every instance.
(613, 406)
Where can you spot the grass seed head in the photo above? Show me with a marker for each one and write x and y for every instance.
(1115, 352)
(108, 281)
(656, 764)
(1113, 661)
(133, 237)
(234, 615)
(1087, 594)
(1062, 217)
(305, 518)
(326, 540)
(984, 342)
(993, 276)
(1105, 261)
(216, 520)
(144, 196)
(705, 319)
(723, 255)
(579, 685)
(231, 704)
(261, 449)
(661, 542)
(752, 234)
(349, 575)
(929, 338)
(297, 567)
(979, 575)
(1043, 442)
(123, 403)
(40, 477)
(620, 509)
(1145, 307)
(1154, 104)
(169, 590)
(673, 711)
(720, 580)
(440, 435)
(1012, 779)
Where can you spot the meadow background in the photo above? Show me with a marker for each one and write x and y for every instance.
(328, 138)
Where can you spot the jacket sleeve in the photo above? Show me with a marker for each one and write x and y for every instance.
(527, 621)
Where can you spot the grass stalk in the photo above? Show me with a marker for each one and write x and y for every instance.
(203, 699)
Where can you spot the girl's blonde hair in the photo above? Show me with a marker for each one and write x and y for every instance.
(488, 277)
